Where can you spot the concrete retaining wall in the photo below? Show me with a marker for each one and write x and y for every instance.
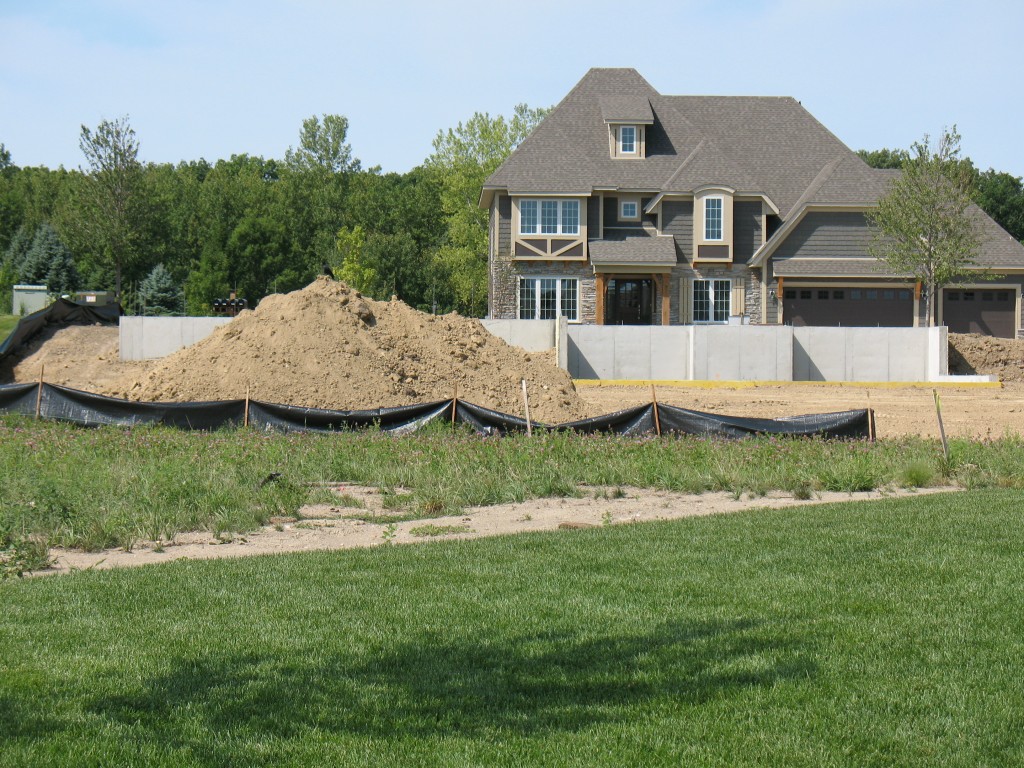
(148, 338)
(760, 353)
(862, 354)
(741, 353)
(664, 353)
(531, 335)
(628, 352)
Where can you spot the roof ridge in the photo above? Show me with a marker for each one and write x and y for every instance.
(816, 183)
(685, 162)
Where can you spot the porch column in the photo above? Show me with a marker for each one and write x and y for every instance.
(665, 299)
(599, 303)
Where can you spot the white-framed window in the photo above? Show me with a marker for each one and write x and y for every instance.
(629, 210)
(712, 218)
(549, 217)
(545, 298)
(711, 300)
(627, 139)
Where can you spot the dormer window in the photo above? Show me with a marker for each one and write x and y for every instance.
(627, 118)
(629, 210)
(627, 139)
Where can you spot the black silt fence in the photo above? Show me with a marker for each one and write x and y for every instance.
(49, 401)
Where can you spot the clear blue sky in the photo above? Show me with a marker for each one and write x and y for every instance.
(209, 78)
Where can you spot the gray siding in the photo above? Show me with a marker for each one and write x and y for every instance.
(611, 214)
(677, 220)
(504, 224)
(828, 235)
(746, 230)
(594, 218)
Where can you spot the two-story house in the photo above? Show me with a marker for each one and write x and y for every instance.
(628, 207)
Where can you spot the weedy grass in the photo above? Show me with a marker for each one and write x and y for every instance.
(869, 634)
(114, 487)
(7, 323)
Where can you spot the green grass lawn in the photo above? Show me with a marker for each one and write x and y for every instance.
(7, 323)
(883, 633)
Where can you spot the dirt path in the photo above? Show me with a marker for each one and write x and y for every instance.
(324, 527)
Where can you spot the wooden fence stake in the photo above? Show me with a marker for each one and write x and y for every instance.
(942, 429)
(871, 418)
(39, 392)
(657, 418)
(245, 421)
(526, 405)
(455, 402)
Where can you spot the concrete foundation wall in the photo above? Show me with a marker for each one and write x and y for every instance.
(531, 335)
(759, 353)
(861, 354)
(628, 352)
(149, 338)
(742, 353)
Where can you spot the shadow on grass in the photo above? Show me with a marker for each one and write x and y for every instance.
(473, 687)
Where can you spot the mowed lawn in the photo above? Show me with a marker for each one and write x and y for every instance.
(883, 633)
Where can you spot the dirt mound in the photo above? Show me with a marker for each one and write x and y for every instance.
(326, 346)
(77, 356)
(971, 353)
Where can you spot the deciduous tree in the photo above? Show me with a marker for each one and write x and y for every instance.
(111, 209)
(463, 158)
(923, 226)
(1001, 196)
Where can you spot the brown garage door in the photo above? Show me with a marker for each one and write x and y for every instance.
(978, 310)
(889, 307)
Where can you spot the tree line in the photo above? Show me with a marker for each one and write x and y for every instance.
(172, 238)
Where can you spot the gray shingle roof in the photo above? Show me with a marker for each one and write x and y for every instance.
(766, 145)
(633, 249)
(762, 145)
(626, 109)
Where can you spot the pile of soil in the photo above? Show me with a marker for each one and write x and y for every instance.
(327, 346)
(971, 353)
(77, 356)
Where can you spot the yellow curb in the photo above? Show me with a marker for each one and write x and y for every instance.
(753, 384)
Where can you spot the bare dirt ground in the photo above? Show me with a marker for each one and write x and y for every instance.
(325, 527)
(968, 410)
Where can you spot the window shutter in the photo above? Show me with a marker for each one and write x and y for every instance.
(684, 300)
(739, 299)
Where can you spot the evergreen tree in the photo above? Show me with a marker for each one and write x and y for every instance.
(49, 262)
(159, 293)
(9, 264)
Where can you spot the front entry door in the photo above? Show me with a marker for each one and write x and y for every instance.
(629, 302)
